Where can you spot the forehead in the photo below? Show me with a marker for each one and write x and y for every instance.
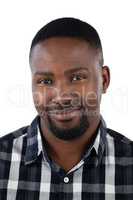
(63, 51)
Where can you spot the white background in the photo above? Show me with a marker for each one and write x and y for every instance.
(20, 20)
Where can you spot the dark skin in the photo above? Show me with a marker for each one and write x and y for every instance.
(64, 70)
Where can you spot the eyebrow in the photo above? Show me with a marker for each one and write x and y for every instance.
(48, 73)
(44, 73)
(75, 69)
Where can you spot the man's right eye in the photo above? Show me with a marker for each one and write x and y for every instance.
(45, 81)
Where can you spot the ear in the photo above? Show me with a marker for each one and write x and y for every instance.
(105, 78)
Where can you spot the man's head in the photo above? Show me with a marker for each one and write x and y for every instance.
(68, 76)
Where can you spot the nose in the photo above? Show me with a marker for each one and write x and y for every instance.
(63, 94)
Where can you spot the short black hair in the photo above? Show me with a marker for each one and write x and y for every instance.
(69, 27)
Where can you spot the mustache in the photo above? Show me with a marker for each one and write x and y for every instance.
(64, 105)
(61, 107)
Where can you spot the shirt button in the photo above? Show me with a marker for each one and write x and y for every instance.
(66, 180)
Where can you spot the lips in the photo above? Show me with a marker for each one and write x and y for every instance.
(66, 114)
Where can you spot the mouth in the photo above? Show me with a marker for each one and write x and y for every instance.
(65, 115)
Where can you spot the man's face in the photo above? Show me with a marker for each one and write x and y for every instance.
(66, 85)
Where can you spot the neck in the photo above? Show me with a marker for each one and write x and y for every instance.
(69, 152)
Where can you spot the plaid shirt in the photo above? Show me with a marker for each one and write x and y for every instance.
(105, 171)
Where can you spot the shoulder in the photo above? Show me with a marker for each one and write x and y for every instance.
(123, 146)
(118, 137)
(17, 136)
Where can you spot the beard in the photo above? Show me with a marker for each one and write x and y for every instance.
(72, 133)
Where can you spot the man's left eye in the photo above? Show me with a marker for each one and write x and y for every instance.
(78, 77)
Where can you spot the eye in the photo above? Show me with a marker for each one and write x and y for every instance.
(45, 81)
(78, 77)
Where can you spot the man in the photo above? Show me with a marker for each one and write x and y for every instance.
(67, 152)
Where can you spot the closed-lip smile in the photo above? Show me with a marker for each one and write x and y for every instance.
(65, 114)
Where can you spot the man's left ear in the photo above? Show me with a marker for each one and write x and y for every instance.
(105, 78)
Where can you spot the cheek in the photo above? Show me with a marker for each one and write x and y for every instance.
(42, 96)
(91, 97)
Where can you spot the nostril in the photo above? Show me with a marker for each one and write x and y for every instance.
(62, 102)
(65, 102)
